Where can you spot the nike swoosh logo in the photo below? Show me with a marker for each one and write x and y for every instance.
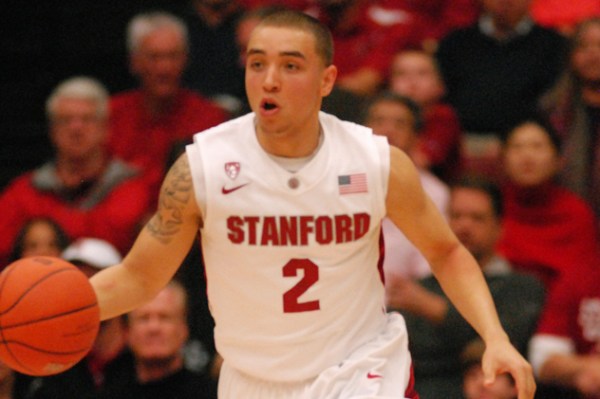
(230, 190)
(372, 376)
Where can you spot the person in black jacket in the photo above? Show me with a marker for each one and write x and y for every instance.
(439, 335)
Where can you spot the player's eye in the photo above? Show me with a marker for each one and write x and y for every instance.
(255, 64)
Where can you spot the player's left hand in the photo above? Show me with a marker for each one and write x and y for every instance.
(501, 357)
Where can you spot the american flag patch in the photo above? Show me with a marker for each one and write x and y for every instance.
(351, 184)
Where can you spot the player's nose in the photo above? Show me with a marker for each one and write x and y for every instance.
(272, 81)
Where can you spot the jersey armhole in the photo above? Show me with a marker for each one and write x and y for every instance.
(383, 149)
(196, 170)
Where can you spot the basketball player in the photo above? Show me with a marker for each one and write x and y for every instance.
(289, 202)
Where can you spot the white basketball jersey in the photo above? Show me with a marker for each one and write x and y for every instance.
(292, 259)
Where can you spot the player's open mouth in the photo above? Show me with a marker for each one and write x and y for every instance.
(269, 106)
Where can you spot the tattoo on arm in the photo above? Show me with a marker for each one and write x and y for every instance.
(174, 197)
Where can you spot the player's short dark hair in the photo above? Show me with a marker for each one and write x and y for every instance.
(287, 18)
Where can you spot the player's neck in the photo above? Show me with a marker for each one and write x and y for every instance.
(290, 143)
(294, 164)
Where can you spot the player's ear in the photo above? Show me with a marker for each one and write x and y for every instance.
(329, 76)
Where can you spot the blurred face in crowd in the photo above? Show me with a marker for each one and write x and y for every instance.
(393, 120)
(473, 387)
(158, 330)
(159, 62)
(40, 240)
(506, 13)
(472, 219)
(77, 130)
(530, 158)
(585, 58)
(414, 74)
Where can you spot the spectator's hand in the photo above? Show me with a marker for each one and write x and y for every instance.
(501, 357)
(402, 293)
(408, 295)
(587, 380)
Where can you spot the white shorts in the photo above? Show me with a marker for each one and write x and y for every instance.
(380, 369)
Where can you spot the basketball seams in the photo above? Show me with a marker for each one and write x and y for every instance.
(32, 286)
(11, 343)
(8, 344)
(5, 275)
(46, 351)
(49, 317)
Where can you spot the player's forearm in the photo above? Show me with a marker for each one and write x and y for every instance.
(146, 269)
(119, 290)
(464, 284)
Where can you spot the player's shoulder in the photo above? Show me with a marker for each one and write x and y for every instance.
(224, 131)
(345, 131)
(338, 125)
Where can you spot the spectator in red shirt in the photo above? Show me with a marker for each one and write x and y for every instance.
(562, 15)
(366, 34)
(440, 17)
(547, 230)
(83, 189)
(565, 351)
(414, 73)
(146, 123)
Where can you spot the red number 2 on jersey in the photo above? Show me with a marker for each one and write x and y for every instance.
(310, 277)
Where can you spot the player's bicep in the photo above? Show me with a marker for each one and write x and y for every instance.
(177, 210)
(157, 252)
(167, 237)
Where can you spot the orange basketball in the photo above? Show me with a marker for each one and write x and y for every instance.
(49, 316)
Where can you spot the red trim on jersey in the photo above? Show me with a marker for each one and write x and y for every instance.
(381, 255)
(410, 392)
